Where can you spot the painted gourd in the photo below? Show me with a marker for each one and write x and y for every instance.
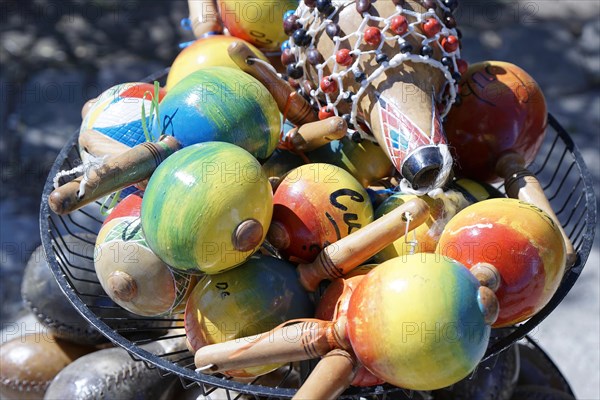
(129, 271)
(502, 109)
(258, 22)
(221, 104)
(416, 322)
(207, 208)
(316, 205)
(253, 298)
(521, 241)
(210, 51)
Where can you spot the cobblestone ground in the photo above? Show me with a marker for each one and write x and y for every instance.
(57, 54)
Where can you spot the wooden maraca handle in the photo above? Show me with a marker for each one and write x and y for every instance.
(313, 135)
(332, 375)
(100, 145)
(204, 16)
(298, 110)
(521, 184)
(302, 341)
(117, 172)
(341, 257)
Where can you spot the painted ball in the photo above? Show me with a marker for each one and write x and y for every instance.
(416, 322)
(210, 51)
(501, 109)
(254, 298)
(521, 241)
(316, 205)
(207, 208)
(221, 104)
(258, 22)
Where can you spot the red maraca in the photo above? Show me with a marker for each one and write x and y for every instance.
(433, 340)
(496, 131)
(517, 245)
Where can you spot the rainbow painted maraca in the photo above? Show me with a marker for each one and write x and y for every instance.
(505, 137)
(255, 297)
(207, 208)
(435, 338)
(316, 205)
(516, 246)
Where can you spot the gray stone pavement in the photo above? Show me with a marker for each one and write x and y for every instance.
(56, 54)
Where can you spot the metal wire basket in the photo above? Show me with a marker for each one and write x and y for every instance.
(559, 168)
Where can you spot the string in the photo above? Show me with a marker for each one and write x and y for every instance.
(412, 244)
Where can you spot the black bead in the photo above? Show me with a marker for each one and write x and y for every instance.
(456, 76)
(294, 71)
(449, 20)
(451, 4)
(301, 37)
(399, 2)
(446, 61)
(429, 4)
(356, 137)
(291, 24)
(310, 3)
(406, 48)
(359, 76)
(363, 5)
(347, 118)
(332, 30)
(325, 7)
(381, 58)
(313, 56)
(426, 51)
(348, 97)
(459, 33)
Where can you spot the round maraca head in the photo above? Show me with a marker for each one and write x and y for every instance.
(207, 208)
(117, 112)
(387, 70)
(417, 323)
(221, 104)
(210, 51)
(316, 205)
(475, 191)
(257, 296)
(129, 271)
(521, 241)
(258, 22)
(502, 109)
(366, 161)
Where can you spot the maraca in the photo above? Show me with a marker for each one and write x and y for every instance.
(433, 341)
(129, 272)
(517, 245)
(210, 51)
(257, 22)
(390, 69)
(224, 104)
(207, 208)
(116, 118)
(506, 134)
(255, 297)
(316, 205)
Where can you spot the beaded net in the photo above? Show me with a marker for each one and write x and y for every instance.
(316, 23)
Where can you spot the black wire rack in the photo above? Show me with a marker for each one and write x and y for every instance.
(559, 168)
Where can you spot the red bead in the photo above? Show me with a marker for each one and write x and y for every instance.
(343, 57)
(287, 57)
(328, 85)
(373, 36)
(450, 43)
(326, 112)
(462, 65)
(431, 27)
(399, 25)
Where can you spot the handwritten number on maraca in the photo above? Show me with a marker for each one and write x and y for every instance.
(168, 123)
(222, 286)
(354, 196)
